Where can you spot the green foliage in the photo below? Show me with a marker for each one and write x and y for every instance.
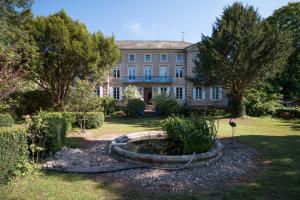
(207, 111)
(288, 113)
(135, 107)
(108, 104)
(260, 102)
(6, 120)
(67, 51)
(130, 93)
(166, 104)
(91, 119)
(13, 151)
(82, 100)
(29, 102)
(242, 50)
(119, 113)
(54, 132)
(194, 134)
(288, 19)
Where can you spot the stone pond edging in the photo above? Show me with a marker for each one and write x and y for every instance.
(160, 160)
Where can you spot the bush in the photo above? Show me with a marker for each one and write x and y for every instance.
(58, 125)
(92, 119)
(135, 108)
(166, 104)
(288, 113)
(13, 151)
(29, 102)
(108, 104)
(193, 134)
(6, 120)
(203, 111)
(261, 103)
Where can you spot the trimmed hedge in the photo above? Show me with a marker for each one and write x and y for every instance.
(6, 120)
(59, 124)
(288, 113)
(135, 107)
(93, 119)
(13, 151)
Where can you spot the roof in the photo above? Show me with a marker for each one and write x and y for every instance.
(152, 44)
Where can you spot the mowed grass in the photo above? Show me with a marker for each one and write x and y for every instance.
(278, 141)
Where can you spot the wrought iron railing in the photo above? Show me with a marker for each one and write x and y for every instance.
(147, 79)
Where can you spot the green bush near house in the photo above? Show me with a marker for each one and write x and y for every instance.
(92, 119)
(6, 120)
(288, 113)
(135, 107)
(13, 151)
(108, 104)
(194, 134)
(166, 105)
(58, 125)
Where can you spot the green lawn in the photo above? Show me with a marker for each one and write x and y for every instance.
(277, 140)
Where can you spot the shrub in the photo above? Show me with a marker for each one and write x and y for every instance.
(6, 120)
(194, 134)
(92, 119)
(135, 107)
(13, 151)
(166, 104)
(57, 128)
(261, 103)
(131, 92)
(108, 104)
(29, 102)
(288, 113)
(203, 111)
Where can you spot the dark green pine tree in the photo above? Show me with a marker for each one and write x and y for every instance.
(242, 50)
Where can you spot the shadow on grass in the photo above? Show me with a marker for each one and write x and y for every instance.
(279, 178)
(293, 124)
(148, 122)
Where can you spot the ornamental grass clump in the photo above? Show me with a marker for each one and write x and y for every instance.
(194, 134)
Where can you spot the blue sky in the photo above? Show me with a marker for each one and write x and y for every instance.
(149, 19)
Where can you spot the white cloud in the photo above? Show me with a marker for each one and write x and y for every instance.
(134, 27)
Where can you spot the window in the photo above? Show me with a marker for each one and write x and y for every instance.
(163, 90)
(116, 93)
(131, 57)
(148, 72)
(98, 91)
(179, 93)
(147, 58)
(163, 58)
(179, 71)
(116, 73)
(179, 58)
(199, 93)
(131, 73)
(216, 93)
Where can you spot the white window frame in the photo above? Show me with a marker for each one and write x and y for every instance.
(99, 91)
(151, 75)
(160, 56)
(182, 91)
(114, 93)
(129, 67)
(116, 69)
(179, 67)
(202, 91)
(179, 61)
(167, 90)
(147, 54)
(131, 54)
(219, 93)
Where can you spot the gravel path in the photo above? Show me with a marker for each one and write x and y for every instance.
(238, 161)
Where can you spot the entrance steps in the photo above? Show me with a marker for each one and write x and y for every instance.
(149, 111)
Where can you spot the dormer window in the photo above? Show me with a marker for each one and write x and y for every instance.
(131, 57)
(147, 58)
(163, 57)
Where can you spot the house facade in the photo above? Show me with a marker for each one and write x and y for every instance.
(156, 67)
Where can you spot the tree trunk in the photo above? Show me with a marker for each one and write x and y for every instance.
(238, 108)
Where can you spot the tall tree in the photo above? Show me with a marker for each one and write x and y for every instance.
(15, 51)
(288, 19)
(243, 48)
(67, 51)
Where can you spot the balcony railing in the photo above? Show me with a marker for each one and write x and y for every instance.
(147, 79)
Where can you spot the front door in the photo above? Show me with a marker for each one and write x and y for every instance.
(147, 95)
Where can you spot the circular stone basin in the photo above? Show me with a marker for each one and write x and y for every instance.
(156, 160)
